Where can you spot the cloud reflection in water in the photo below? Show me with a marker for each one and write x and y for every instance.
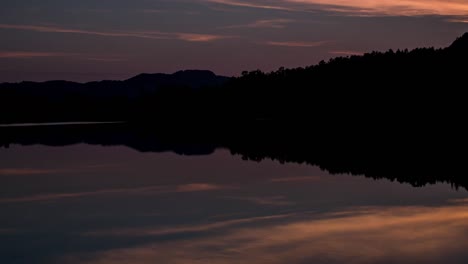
(361, 235)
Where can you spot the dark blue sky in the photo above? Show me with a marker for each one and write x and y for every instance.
(116, 39)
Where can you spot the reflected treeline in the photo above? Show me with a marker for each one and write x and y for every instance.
(412, 158)
(119, 134)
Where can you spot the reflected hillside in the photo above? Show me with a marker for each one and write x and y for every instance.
(414, 159)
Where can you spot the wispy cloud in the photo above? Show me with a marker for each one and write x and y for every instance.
(252, 4)
(25, 171)
(197, 187)
(360, 7)
(268, 200)
(404, 235)
(171, 230)
(297, 44)
(391, 7)
(104, 59)
(190, 37)
(39, 54)
(345, 52)
(198, 37)
(265, 23)
(31, 54)
(458, 20)
(153, 11)
(296, 179)
(147, 190)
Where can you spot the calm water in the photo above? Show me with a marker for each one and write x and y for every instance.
(99, 205)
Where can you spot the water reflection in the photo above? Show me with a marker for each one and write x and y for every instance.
(414, 234)
(99, 205)
(411, 159)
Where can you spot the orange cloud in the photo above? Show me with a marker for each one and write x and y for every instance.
(392, 7)
(361, 7)
(191, 37)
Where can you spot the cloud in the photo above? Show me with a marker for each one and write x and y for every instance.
(199, 37)
(190, 37)
(147, 190)
(251, 4)
(162, 231)
(296, 179)
(25, 171)
(265, 23)
(363, 235)
(40, 54)
(31, 54)
(391, 7)
(360, 7)
(197, 187)
(345, 52)
(104, 59)
(296, 44)
(458, 20)
(269, 200)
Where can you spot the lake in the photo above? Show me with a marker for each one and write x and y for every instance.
(99, 204)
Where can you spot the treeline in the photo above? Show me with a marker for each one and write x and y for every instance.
(416, 89)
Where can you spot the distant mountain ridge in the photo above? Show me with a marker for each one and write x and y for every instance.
(139, 85)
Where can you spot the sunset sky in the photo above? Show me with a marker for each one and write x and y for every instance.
(115, 39)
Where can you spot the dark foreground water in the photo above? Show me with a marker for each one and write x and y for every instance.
(99, 205)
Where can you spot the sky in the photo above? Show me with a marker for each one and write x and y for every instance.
(91, 40)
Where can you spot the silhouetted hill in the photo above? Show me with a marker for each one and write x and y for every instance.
(103, 100)
(135, 86)
(188, 78)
